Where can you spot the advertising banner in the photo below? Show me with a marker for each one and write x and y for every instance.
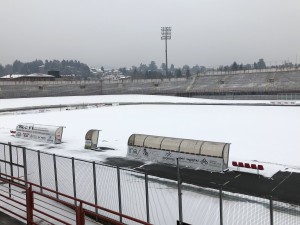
(41, 133)
(170, 157)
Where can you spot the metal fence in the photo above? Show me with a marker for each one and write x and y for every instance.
(139, 195)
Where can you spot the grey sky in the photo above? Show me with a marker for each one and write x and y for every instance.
(116, 33)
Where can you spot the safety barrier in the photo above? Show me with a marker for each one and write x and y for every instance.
(34, 204)
(133, 193)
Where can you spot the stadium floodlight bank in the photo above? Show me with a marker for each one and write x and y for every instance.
(205, 155)
(41, 133)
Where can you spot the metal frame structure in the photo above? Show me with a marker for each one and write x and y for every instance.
(166, 35)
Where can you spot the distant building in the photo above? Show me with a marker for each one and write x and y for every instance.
(28, 77)
(54, 73)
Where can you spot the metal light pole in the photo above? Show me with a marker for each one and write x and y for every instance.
(166, 35)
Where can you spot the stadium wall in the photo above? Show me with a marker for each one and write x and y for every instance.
(260, 83)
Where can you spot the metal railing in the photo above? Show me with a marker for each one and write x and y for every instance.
(137, 194)
(34, 205)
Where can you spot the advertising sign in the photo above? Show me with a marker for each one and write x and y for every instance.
(41, 133)
(170, 157)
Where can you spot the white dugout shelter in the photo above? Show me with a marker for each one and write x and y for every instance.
(206, 155)
(39, 132)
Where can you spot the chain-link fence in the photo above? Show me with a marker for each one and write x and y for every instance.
(139, 195)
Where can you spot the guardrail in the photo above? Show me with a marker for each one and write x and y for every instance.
(33, 206)
(125, 191)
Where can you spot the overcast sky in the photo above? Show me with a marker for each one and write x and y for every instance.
(116, 33)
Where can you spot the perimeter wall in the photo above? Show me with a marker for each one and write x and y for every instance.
(259, 83)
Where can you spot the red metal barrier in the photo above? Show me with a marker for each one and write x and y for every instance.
(29, 204)
(79, 211)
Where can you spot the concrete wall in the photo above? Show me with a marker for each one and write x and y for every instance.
(263, 82)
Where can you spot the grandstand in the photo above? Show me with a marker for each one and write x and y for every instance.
(254, 85)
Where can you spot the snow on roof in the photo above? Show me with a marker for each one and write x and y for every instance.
(39, 75)
(14, 76)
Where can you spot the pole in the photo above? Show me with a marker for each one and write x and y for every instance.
(95, 186)
(40, 170)
(119, 192)
(55, 175)
(271, 211)
(11, 168)
(74, 179)
(147, 197)
(166, 57)
(179, 194)
(221, 206)
(25, 165)
(166, 34)
(29, 205)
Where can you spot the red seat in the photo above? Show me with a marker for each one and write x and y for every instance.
(253, 166)
(260, 167)
(234, 163)
(241, 164)
(247, 165)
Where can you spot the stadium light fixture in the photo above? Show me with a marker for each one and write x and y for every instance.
(166, 35)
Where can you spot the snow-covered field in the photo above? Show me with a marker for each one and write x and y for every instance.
(267, 134)
(261, 134)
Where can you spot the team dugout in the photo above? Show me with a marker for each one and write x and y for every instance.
(187, 146)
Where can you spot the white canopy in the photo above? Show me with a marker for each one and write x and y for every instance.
(197, 147)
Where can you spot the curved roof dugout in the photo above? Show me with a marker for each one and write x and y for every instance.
(197, 147)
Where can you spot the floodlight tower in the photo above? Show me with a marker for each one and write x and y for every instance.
(166, 35)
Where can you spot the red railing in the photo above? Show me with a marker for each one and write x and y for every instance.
(30, 205)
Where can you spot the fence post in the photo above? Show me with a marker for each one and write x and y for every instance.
(147, 197)
(271, 211)
(80, 215)
(25, 165)
(221, 206)
(95, 186)
(3, 159)
(29, 205)
(179, 194)
(119, 192)
(10, 159)
(40, 170)
(74, 179)
(55, 175)
(11, 167)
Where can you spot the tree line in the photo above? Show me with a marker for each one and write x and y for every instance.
(66, 67)
(260, 64)
(153, 71)
(143, 71)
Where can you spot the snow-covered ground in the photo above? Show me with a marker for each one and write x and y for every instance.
(23, 102)
(266, 135)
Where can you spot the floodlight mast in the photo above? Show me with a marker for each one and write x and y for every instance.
(166, 35)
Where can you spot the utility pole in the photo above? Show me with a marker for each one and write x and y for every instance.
(166, 35)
